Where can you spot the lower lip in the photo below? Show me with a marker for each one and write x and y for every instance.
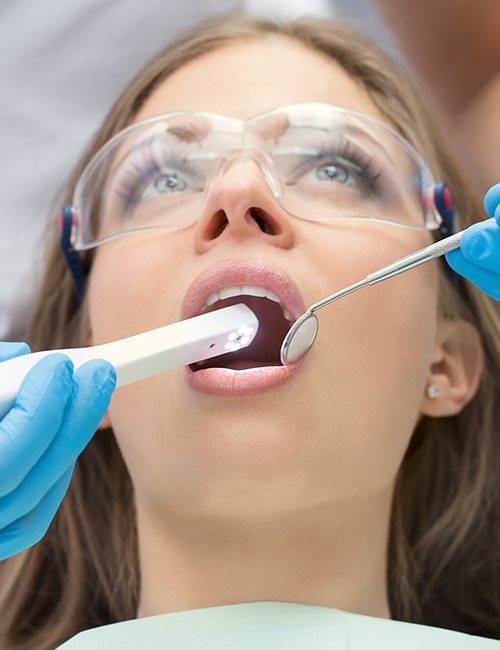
(240, 383)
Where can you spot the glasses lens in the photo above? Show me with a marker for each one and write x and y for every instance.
(326, 163)
(341, 167)
(152, 177)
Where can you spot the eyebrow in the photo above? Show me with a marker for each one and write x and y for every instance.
(358, 135)
(194, 132)
(271, 126)
(190, 132)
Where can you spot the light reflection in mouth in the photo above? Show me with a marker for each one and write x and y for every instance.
(263, 370)
(265, 348)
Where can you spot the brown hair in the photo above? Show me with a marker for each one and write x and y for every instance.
(443, 560)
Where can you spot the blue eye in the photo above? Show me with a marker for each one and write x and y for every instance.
(336, 166)
(166, 183)
(331, 172)
(148, 181)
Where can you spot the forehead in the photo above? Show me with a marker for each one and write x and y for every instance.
(247, 78)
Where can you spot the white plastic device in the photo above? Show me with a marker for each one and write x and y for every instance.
(150, 353)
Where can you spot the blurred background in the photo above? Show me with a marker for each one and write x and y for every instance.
(63, 64)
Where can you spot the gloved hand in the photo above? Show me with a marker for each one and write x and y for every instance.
(478, 258)
(55, 415)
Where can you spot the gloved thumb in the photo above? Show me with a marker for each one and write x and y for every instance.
(492, 202)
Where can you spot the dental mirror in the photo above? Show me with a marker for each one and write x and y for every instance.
(302, 334)
(299, 338)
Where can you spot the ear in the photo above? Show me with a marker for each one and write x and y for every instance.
(456, 368)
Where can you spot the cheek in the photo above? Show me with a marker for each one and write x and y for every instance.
(389, 333)
(132, 287)
(371, 359)
(132, 290)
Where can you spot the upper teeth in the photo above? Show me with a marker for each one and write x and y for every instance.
(248, 290)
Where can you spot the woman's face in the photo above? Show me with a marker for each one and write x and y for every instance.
(338, 429)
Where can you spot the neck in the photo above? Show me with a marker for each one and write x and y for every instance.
(332, 555)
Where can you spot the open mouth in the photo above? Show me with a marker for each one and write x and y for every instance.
(274, 323)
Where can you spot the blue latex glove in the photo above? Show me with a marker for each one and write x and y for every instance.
(478, 258)
(55, 415)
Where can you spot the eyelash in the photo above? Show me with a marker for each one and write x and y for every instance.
(346, 150)
(132, 183)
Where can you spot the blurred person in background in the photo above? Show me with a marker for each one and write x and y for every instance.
(452, 51)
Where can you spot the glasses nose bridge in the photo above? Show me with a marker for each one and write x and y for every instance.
(261, 160)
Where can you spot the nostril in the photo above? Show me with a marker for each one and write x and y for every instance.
(254, 216)
(262, 220)
(219, 224)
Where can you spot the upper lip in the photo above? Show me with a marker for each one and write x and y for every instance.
(241, 272)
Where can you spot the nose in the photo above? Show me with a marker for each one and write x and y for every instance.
(241, 207)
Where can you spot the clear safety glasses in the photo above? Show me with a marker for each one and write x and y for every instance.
(318, 161)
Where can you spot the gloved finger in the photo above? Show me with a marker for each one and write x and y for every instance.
(94, 382)
(28, 530)
(488, 281)
(480, 244)
(10, 350)
(492, 202)
(32, 423)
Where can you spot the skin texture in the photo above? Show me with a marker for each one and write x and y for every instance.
(283, 496)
